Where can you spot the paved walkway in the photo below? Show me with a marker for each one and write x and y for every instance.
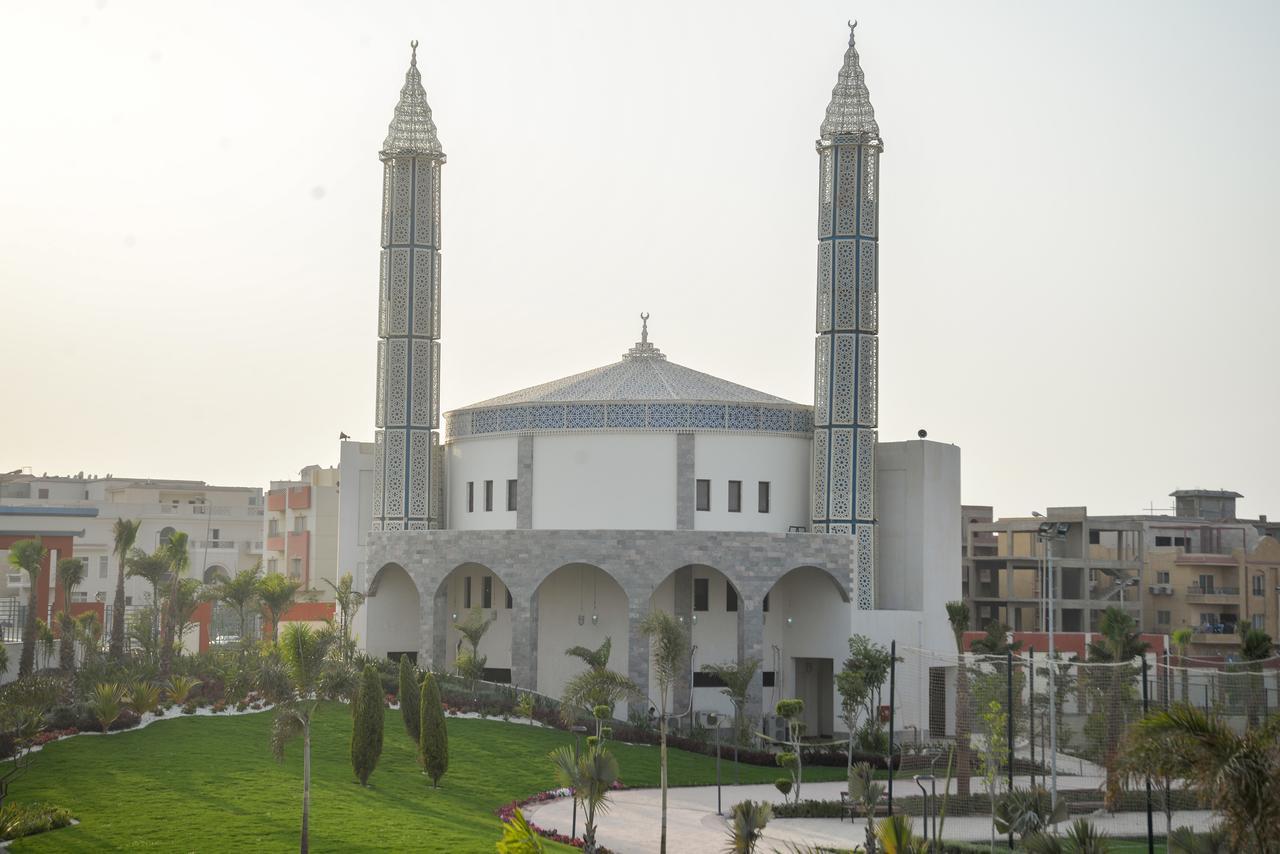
(631, 826)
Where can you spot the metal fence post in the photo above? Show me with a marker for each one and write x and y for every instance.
(1151, 835)
(893, 671)
(1008, 729)
(1031, 712)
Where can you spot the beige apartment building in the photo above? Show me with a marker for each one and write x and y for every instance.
(300, 528)
(1201, 568)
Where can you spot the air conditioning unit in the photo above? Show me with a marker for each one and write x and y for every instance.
(1162, 589)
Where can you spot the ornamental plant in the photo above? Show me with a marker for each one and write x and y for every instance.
(433, 745)
(366, 726)
(409, 700)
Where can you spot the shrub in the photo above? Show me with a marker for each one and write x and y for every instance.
(747, 825)
(433, 744)
(179, 689)
(189, 708)
(783, 784)
(19, 820)
(366, 726)
(410, 701)
(525, 706)
(143, 697)
(127, 719)
(69, 715)
(106, 703)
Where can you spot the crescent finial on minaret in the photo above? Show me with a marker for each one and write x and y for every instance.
(644, 327)
(413, 45)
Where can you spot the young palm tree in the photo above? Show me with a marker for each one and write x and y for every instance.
(737, 679)
(154, 569)
(1238, 776)
(668, 653)
(277, 595)
(1119, 644)
(348, 601)
(1182, 639)
(70, 575)
(473, 630)
(958, 615)
(175, 552)
(1255, 646)
(747, 825)
(304, 652)
(125, 531)
(239, 592)
(589, 775)
(595, 686)
(26, 555)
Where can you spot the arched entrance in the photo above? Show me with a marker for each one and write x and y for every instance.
(473, 591)
(806, 638)
(215, 574)
(578, 604)
(393, 614)
(710, 606)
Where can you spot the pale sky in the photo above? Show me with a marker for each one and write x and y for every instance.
(1078, 224)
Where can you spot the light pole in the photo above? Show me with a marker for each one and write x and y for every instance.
(1049, 533)
(713, 720)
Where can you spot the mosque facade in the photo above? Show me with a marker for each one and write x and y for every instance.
(564, 512)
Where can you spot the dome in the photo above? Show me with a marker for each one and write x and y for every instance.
(642, 391)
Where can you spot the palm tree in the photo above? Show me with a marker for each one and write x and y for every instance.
(473, 630)
(348, 601)
(589, 775)
(736, 679)
(277, 595)
(1182, 639)
(239, 592)
(958, 615)
(596, 686)
(1255, 646)
(175, 552)
(668, 650)
(70, 575)
(304, 652)
(747, 825)
(1119, 644)
(188, 596)
(1237, 775)
(154, 569)
(125, 532)
(27, 555)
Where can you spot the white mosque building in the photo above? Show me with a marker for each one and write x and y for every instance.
(773, 529)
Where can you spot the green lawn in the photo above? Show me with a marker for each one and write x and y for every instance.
(210, 784)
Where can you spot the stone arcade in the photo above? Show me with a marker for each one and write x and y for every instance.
(772, 529)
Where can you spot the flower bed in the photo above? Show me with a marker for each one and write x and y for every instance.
(506, 811)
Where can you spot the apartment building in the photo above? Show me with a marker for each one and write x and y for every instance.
(300, 528)
(1202, 568)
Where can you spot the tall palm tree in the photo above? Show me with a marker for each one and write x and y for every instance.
(154, 569)
(1182, 639)
(1237, 775)
(668, 652)
(589, 775)
(175, 552)
(239, 592)
(70, 575)
(125, 531)
(958, 615)
(277, 595)
(304, 651)
(1118, 644)
(348, 600)
(26, 555)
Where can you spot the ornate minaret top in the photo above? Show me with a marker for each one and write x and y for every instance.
(850, 110)
(643, 349)
(412, 131)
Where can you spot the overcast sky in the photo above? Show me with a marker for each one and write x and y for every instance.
(1078, 224)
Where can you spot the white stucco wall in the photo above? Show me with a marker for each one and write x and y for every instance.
(396, 626)
(475, 460)
(562, 596)
(783, 461)
(495, 646)
(713, 633)
(603, 481)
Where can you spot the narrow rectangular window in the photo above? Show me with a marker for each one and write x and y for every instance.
(466, 591)
(1095, 537)
(488, 495)
(102, 567)
(509, 603)
(764, 496)
(299, 524)
(1162, 578)
(1257, 585)
(1164, 617)
(511, 495)
(295, 567)
(273, 565)
(1206, 584)
(486, 592)
(700, 594)
(1258, 621)
(704, 495)
(730, 597)
(735, 496)
(471, 496)
(766, 678)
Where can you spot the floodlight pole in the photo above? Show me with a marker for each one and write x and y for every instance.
(1047, 534)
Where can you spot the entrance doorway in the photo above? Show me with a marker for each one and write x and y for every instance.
(815, 685)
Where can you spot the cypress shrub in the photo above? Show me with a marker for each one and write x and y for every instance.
(433, 747)
(366, 728)
(409, 700)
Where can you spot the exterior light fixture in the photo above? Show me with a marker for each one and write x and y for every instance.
(581, 620)
(455, 616)
(790, 620)
(595, 619)
(695, 618)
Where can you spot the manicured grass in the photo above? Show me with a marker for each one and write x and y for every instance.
(210, 784)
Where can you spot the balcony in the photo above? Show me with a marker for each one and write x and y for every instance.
(1202, 559)
(213, 544)
(1209, 595)
(299, 497)
(1223, 638)
(275, 543)
(276, 500)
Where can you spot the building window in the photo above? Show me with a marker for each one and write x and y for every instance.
(471, 496)
(704, 495)
(735, 496)
(215, 533)
(700, 594)
(486, 592)
(1164, 618)
(511, 495)
(1162, 578)
(1258, 621)
(102, 566)
(1164, 541)
(1095, 537)
(466, 592)
(488, 495)
(730, 597)
(764, 496)
(766, 678)
(295, 567)
(273, 565)
(1257, 585)
(273, 527)
(1206, 584)
(509, 602)
(42, 493)
(299, 524)
(79, 596)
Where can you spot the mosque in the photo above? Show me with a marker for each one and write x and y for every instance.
(772, 529)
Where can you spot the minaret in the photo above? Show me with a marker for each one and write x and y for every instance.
(407, 472)
(844, 367)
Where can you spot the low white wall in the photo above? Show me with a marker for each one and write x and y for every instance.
(10, 673)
